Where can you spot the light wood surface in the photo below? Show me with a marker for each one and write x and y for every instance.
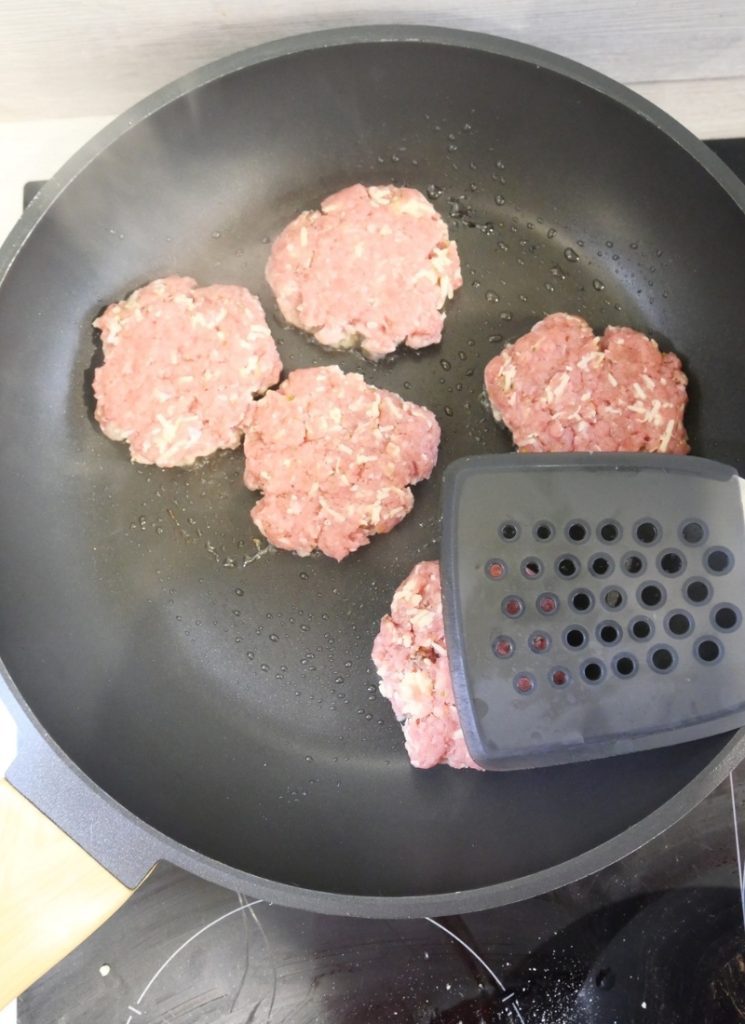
(52, 894)
(71, 58)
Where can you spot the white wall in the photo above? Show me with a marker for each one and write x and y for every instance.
(68, 58)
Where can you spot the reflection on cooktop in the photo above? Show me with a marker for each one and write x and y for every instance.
(681, 958)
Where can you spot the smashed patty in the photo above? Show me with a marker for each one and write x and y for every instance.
(373, 268)
(335, 458)
(181, 365)
(410, 655)
(560, 388)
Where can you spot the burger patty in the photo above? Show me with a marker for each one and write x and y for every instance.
(335, 458)
(560, 388)
(410, 655)
(181, 367)
(373, 268)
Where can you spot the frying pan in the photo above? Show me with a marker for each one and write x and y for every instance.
(179, 693)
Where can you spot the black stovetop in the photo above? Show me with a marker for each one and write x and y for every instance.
(657, 938)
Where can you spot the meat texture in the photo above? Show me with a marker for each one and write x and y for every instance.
(410, 655)
(335, 458)
(373, 268)
(181, 366)
(560, 388)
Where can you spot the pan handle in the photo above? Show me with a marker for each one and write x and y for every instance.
(52, 893)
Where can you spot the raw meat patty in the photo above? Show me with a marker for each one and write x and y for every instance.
(335, 457)
(412, 661)
(561, 389)
(373, 268)
(181, 365)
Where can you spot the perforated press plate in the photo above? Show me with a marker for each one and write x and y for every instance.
(592, 603)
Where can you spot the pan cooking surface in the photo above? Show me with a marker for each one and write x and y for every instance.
(222, 692)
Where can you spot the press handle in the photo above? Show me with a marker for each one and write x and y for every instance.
(53, 894)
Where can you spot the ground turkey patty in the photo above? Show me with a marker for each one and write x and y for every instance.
(411, 658)
(373, 268)
(181, 365)
(560, 388)
(335, 457)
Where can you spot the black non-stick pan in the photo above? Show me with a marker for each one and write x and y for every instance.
(180, 693)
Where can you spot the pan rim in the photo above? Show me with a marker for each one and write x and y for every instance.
(372, 34)
(129, 848)
(125, 844)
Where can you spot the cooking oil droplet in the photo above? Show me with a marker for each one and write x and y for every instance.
(467, 127)
(551, 233)
(496, 338)
(571, 255)
(448, 411)
(452, 148)
(215, 234)
(634, 245)
(445, 364)
(273, 637)
(434, 191)
(499, 199)
(239, 592)
(505, 316)
(308, 758)
(491, 296)
(407, 385)
(236, 611)
(598, 285)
